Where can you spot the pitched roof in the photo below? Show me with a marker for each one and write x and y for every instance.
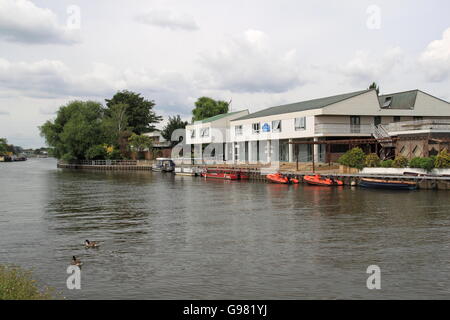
(302, 106)
(219, 116)
(401, 100)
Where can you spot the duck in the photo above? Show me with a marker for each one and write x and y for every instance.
(90, 244)
(76, 262)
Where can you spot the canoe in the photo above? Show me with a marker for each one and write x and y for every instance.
(318, 180)
(387, 184)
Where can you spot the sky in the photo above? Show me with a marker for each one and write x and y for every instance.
(256, 54)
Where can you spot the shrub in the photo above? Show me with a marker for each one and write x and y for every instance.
(400, 162)
(387, 163)
(17, 284)
(353, 158)
(442, 160)
(97, 152)
(372, 160)
(422, 163)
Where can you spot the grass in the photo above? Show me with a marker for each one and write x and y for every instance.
(18, 284)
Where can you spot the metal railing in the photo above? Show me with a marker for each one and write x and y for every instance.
(103, 162)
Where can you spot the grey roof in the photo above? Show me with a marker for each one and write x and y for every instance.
(401, 100)
(302, 106)
(219, 116)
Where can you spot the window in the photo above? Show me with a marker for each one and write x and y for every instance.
(300, 123)
(193, 133)
(276, 126)
(238, 130)
(397, 119)
(417, 118)
(204, 132)
(387, 102)
(255, 127)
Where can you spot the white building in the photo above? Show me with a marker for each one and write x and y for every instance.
(346, 116)
(209, 136)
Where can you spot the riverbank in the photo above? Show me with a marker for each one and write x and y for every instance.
(18, 284)
(259, 173)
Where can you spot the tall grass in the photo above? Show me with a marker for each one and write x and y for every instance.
(18, 284)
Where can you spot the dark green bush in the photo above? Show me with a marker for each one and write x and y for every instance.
(353, 158)
(422, 163)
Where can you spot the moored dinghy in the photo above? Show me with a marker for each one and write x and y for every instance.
(318, 180)
(387, 184)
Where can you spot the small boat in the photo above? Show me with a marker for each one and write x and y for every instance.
(279, 178)
(220, 174)
(318, 180)
(163, 165)
(387, 184)
(243, 176)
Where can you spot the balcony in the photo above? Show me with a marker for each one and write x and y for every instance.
(343, 129)
(418, 126)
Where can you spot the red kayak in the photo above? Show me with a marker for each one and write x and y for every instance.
(318, 180)
(279, 178)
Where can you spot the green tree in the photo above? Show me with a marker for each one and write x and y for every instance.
(206, 107)
(3, 145)
(375, 86)
(173, 124)
(75, 130)
(140, 115)
(139, 143)
(115, 123)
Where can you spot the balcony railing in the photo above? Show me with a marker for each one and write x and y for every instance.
(343, 128)
(432, 125)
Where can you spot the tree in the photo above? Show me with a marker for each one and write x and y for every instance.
(115, 123)
(375, 86)
(75, 130)
(139, 142)
(354, 158)
(173, 124)
(140, 115)
(206, 107)
(3, 145)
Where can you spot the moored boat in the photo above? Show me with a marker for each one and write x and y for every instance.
(279, 178)
(163, 165)
(318, 180)
(387, 184)
(220, 174)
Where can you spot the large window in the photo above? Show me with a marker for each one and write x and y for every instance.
(397, 119)
(238, 130)
(204, 132)
(300, 123)
(193, 133)
(255, 127)
(276, 126)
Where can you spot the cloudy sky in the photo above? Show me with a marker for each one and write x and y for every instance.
(257, 53)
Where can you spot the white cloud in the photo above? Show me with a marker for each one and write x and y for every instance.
(168, 19)
(436, 58)
(22, 21)
(368, 67)
(249, 64)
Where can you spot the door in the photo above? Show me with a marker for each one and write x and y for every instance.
(376, 120)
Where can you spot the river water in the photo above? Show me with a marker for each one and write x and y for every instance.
(172, 237)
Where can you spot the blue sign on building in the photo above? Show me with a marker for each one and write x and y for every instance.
(266, 127)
